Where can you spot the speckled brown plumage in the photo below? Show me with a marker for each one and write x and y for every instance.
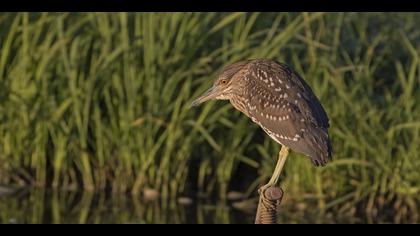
(281, 102)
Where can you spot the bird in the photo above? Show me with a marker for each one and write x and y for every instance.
(277, 98)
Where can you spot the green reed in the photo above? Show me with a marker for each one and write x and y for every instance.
(101, 100)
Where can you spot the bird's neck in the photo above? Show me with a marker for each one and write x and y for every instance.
(239, 103)
(239, 95)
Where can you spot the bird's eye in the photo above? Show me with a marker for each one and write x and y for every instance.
(223, 81)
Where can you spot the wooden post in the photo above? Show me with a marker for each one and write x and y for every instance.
(268, 206)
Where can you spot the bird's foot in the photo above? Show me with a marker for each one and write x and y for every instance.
(270, 191)
(262, 189)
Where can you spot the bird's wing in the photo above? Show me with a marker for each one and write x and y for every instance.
(280, 80)
(285, 107)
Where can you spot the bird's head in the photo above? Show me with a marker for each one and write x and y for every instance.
(220, 90)
(224, 86)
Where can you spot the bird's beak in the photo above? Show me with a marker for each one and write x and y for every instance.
(211, 93)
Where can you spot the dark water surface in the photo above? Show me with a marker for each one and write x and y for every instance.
(37, 206)
(44, 206)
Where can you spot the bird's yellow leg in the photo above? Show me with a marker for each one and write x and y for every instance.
(284, 152)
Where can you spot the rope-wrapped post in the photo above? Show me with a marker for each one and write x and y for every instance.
(268, 204)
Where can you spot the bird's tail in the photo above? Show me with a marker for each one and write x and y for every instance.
(321, 145)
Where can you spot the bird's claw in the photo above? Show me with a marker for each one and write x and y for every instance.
(262, 189)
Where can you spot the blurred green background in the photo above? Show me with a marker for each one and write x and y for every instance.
(100, 101)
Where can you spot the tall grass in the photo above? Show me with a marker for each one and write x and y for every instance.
(101, 101)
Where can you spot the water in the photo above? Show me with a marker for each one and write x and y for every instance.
(44, 206)
(40, 206)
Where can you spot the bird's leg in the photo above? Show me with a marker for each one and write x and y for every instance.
(284, 152)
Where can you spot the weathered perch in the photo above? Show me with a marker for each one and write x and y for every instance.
(268, 205)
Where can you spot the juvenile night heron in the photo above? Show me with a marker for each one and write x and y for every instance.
(281, 102)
